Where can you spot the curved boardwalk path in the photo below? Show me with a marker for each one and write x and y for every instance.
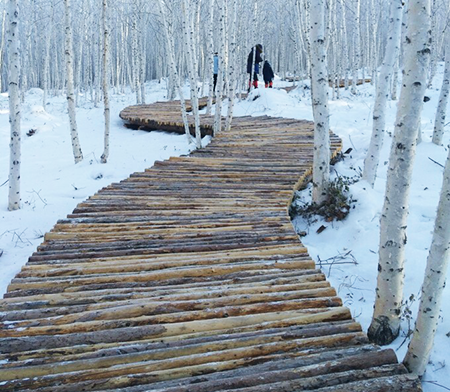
(189, 277)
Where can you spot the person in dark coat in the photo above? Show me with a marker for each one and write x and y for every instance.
(258, 60)
(268, 74)
(216, 69)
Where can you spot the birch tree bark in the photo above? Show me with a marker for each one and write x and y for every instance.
(379, 118)
(395, 80)
(135, 65)
(105, 84)
(435, 39)
(14, 105)
(232, 80)
(173, 67)
(46, 54)
(441, 111)
(419, 348)
(356, 47)
(77, 154)
(2, 44)
(319, 97)
(210, 56)
(385, 324)
(192, 67)
(219, 87)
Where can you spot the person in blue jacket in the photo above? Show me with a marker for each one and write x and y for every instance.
(268, 74)
(258, 60)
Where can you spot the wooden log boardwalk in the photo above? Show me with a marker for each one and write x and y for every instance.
(188, 277)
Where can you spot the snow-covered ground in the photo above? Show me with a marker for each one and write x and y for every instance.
(52, 185)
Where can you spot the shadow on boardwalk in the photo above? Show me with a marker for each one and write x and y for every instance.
(189, 277)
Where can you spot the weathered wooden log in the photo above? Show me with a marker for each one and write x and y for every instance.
(264, 311)
(95, 332)
(303, 384)
(273, 363)
(165, 370)
(166, 274)
(169, 303)
(53, 268)
(204, 339)
(339, 371)
(240, 277)
(181, 310)
(181, 357)
(265, 383)
(300, 280)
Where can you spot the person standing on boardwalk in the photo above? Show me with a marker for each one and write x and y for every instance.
(268, 74)
(215, 69)
(254, 58)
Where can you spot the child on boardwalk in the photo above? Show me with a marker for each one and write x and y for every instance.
(268, 74)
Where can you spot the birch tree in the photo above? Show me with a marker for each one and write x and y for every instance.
(319, 97)
(219, 88)
(419, 348)
(173, 66)
(439, 122)
(2, 44)
(379, 117)
(77, 154)
(46, 54)
(192, 67)
(232, 66)
(135, 64)
(385, 323)
(210, 60)
(14, 105)
(105, 84)
(356, 47)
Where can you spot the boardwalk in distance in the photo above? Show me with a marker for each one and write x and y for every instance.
(189, 277)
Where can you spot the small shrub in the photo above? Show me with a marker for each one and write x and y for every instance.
(336, 206)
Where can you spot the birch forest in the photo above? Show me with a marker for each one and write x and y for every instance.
(357, 34)
(84, 49)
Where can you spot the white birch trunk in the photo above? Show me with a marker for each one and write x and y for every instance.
(142, 61)
(419, 348)
(77, 154)
(2, 44)
(333, 39)
(105, 84)
(232, 80)
(135, 65)
(395, 80)
(435, 40)
(97, 62)
(192, 67)
(441, 111)
(306, 24)
(219, 87)
(210, 66)
(252, 69)
(379, 117)
(389, 292)
(374, 51)
(45, 73)
(14, 105)
(319, 97)
(79, 74)
(346, 57)
(173, 67)
(356, 47)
